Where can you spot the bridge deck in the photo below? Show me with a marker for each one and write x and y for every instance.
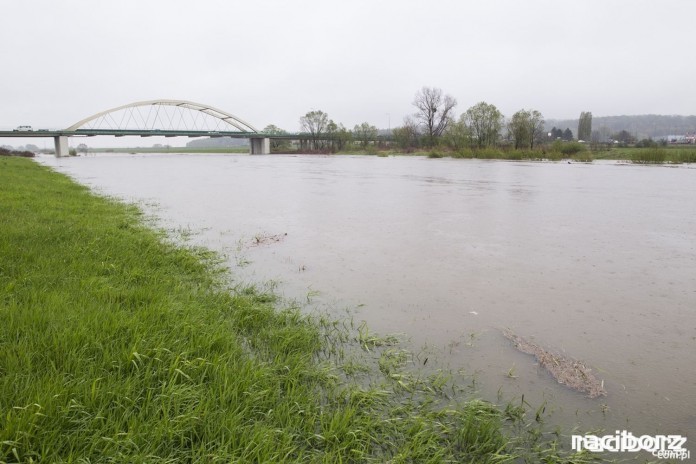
(126, 133)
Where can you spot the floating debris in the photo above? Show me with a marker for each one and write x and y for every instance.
(569, 372)
(265, 239)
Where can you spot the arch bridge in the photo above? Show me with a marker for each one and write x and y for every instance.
(168, 118)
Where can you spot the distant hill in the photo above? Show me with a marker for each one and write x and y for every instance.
(641, 127)
(218, 142)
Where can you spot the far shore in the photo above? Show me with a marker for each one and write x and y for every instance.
(571, 151)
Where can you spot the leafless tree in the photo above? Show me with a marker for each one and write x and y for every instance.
(434, 111)
(315, 122)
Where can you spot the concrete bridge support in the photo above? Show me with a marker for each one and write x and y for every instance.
(61, 144)
(260, 146)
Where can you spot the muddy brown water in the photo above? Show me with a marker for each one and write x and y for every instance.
(595, 261)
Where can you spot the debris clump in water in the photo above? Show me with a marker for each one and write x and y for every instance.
(569, 372)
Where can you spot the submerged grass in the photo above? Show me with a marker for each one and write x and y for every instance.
(118, 346)
(551, 153)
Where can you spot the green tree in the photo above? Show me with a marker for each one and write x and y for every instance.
(457, 135)
(342, 136)
(567, 135)
(276, 144)
(485, 122)
(434, 111)
(338, 136)
(624, 137)
(518, 129)
(585, 126)
(526, 127)
(331, 133)
(273, 130)
(315, 124)
(406, 136)
(364, 133)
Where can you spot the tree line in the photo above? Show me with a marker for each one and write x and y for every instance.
(434, 123)
(481, 126)
(323, 134)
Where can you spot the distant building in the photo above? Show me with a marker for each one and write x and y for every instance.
(678, 139)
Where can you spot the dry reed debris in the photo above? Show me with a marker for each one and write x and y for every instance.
(569, 372)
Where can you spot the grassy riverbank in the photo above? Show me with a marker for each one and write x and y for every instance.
(118, 346)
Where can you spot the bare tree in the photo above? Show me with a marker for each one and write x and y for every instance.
(434, 111)
(315, 123)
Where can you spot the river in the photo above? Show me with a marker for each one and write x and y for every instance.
(593, 261)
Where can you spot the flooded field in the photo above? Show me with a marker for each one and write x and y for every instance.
(595, 262)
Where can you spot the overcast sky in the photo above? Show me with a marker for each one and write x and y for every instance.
(270, 62)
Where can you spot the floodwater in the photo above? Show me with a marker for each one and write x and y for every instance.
(594, 261)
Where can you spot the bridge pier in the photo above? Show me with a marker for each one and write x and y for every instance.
(61, 144)
(260, 146)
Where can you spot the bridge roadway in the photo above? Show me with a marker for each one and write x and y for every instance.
(260, 143)
(128, 132)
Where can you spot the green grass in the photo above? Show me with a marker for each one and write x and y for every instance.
(649, 156)
(656, 155)
(683, 155)
(117, 345)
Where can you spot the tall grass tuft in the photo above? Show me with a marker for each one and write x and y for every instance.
(488, 153)
(435, 154)
(683, 156)
(583, 156)
(649, 156)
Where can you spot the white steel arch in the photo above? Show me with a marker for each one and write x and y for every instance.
(230, 119)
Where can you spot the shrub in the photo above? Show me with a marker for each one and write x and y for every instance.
(567, 148)
(583, 157)
(646, 143)
(371, 150)
(554, 155)
(25, 154)
(488, 153)
(463, 153)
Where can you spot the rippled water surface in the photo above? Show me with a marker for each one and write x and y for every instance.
(597, 262)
